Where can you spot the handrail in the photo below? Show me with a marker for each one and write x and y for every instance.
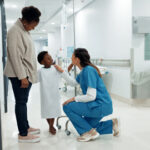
(106, 62)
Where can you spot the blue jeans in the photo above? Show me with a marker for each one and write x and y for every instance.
(21, 99)
(84, 119)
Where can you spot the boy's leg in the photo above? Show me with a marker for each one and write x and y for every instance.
(52, 130)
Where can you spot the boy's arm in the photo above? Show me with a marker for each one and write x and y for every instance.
(64, 75)
(71, 81)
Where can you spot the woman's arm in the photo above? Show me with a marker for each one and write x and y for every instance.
(15, 54)
(90, 96)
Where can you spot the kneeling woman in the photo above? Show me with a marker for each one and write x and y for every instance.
(86, 111)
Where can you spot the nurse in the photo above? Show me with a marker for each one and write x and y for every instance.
(86, 111)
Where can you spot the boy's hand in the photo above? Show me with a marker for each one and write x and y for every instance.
(59, 68)
(70, 67)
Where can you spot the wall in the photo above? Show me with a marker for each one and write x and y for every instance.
(104, 28)
(140, 8)
(54, 43)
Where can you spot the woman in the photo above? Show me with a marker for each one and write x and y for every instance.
(21, 68)
(86, 111)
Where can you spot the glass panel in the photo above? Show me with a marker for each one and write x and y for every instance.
(147, 47)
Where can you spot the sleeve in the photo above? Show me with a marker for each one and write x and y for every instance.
(16, 58)
(90, 96)
(69, 79)
(90, 77)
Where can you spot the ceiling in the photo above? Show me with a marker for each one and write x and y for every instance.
(51, 10)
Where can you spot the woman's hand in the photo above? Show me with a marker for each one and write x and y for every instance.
(59, 68)
(24, 83)
(70, 67)
(68, 101)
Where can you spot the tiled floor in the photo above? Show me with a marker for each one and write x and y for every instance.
(135, 129)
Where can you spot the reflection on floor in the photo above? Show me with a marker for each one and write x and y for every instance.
(135, 129)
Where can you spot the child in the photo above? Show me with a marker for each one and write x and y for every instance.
(49, 79)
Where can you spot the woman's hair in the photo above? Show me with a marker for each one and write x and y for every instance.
(84, 57)
(41, 56)
(31, 14)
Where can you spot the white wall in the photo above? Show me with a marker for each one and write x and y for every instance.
(140, 8)
(104, 28)
(54, 43)
(39, 45)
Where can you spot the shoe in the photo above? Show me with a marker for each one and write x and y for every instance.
(28, 139)
(88, 136)
(116, 131)
(33, 131)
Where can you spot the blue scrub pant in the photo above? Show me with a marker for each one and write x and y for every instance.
(84, 119)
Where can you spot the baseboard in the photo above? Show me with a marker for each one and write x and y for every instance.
(134, 102)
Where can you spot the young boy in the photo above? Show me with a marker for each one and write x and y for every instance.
(49, 79)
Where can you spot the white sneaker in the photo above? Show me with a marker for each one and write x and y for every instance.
(28, 139)
(33, 131)
(88, 136)
(116, 131)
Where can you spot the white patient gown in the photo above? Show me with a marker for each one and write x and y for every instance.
(49, 79)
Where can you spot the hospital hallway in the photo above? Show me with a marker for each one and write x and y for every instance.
(134, 122)
(103, 44)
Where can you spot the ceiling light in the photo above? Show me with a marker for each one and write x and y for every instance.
(10, 21)
(70, 10)
(13, 6)
(53, 23)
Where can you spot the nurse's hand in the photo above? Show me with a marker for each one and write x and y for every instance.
(68, 101)
(59, 68)
(70, 67)
(24, 83)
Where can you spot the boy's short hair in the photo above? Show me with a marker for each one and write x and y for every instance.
(41, 56)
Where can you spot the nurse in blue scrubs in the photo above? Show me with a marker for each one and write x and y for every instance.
(86, 111)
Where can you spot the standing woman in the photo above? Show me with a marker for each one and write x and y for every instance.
(21, 68)
(86, 111)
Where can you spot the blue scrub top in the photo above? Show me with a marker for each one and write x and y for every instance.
(89, 77)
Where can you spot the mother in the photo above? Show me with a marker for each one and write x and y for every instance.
(86, 111)
(21, 68)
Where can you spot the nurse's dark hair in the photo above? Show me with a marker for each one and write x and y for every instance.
(84, 57)
(31, 14)
(41, 55)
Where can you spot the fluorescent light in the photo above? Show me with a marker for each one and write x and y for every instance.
(53, 23)
(13, 6)
(10, 21)
(70, 10)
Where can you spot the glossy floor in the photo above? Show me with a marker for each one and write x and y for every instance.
(135, 129)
